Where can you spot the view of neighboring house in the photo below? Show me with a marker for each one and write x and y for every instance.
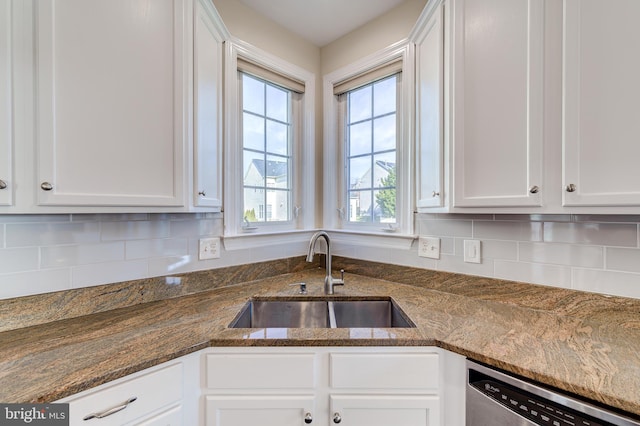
(266, 193)
(363, 205)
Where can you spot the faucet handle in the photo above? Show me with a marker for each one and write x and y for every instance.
(303, 287)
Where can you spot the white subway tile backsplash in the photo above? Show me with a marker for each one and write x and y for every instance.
(34, 282)
(191, 228)
(492, 249)
(536, 273)
(42, 253)
(623, 259)
(44, 234)
(108, 272)
(142, 230)
(607, 282)
(607, 234)
(562, 254)
(19, 259)
(504, 230)
(446, 228)
(80, 254)
(141, 249)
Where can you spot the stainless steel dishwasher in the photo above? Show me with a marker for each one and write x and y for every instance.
(498, 399)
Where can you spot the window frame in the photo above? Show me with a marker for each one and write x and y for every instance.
(335, 210)
(302, 150)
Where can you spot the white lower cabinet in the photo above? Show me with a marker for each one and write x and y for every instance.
(264, 410)
(352, 386)
(159, 396)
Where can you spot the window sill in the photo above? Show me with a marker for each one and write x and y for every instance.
(251, 240)
(372, 239)
(338, 236)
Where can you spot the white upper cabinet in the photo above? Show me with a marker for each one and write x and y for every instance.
(601, 112)
(110, 111)
(208, 49)
(428, 37)
(110, 106)
(497, 110)
(6, 117)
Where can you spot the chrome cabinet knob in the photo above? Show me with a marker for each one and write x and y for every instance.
(534, 189)
(336, 418)
(46, 186)
(202, 193)
(570, 188)
(435, 194)
(308, 418)
(3, 184)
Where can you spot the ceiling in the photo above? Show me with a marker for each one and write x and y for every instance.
(321, 21)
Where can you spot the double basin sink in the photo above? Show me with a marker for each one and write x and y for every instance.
(321, 313)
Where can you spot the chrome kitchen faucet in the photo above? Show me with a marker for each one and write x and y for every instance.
(329, 281)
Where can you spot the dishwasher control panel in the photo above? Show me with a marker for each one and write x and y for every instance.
(536, 409)
(496, 398)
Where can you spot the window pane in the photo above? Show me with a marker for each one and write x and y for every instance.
(252, 94)
(253, 132)
(277, 205)
(360, 172)
(384, 96)
(266, 154)
(360, 206)
(385, 206)
(277, 138)
(277, 103)
(384, 170)
(360, 104)
(254, 169)
(384, 133)
(277, 172)
(360, 138)
(254, 205)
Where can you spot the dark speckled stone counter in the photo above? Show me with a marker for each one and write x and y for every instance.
(582, 343)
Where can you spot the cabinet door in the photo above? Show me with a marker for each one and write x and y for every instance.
(497, 94)
(110, 102)
(429, 113)
(263, 410)
(208, 84)
(6, 107)
(384, 410)
(601, 92)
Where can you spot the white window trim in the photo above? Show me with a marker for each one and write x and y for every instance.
(332, 146)
(304, 164)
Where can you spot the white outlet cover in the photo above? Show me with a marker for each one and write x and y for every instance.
(209, 248)
(472, 251)
(429, 247)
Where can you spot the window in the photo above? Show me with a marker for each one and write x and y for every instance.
(368, 137)
(269, 176)
(371, 151)
(266, 142)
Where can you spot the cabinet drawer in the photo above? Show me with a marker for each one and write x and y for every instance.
(153, 391)
(384, 371)
(260, 371)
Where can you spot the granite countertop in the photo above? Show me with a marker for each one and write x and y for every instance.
(577, 342)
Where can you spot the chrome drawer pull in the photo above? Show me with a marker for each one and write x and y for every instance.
(110, 411)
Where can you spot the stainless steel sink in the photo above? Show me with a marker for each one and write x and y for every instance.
(321, 313)
(369, 314)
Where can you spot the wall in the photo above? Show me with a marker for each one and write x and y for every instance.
(373, 36)
(583, 252)
(45, 253)
(246, 24)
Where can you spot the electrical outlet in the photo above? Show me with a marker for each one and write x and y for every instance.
(472, 251)
(429, 247)
(209, 248)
